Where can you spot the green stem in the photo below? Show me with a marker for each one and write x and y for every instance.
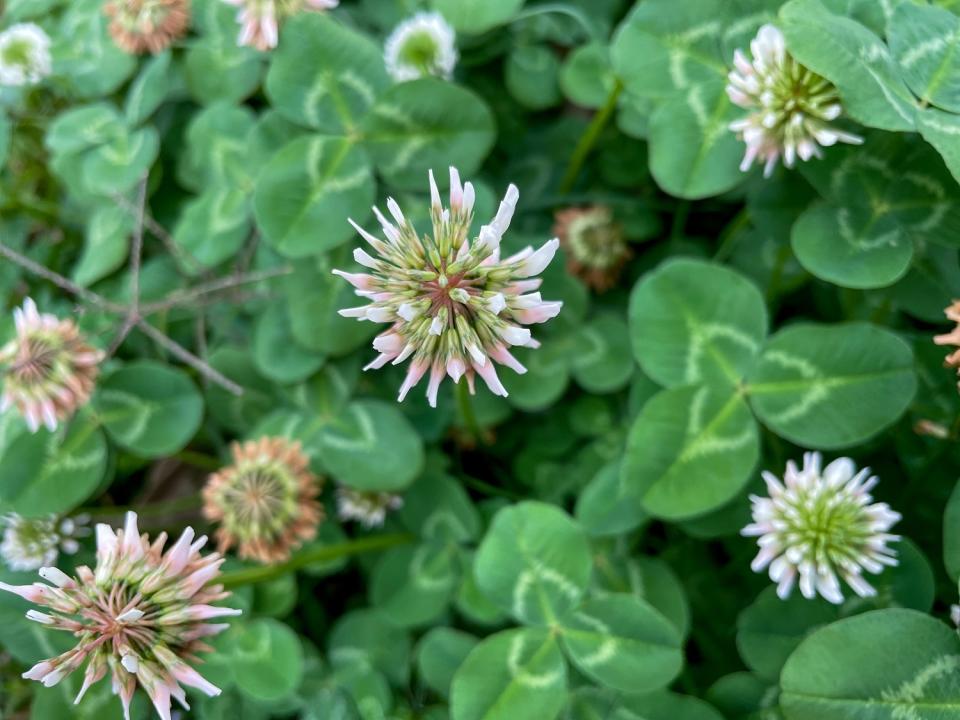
(324, 553)
(680, 214)
(589, 138)
(465, 403)
(489, 489)
(163, 507)
(198, 460)
(731, 234)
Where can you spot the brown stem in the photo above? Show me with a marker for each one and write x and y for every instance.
(60, 281)
(187, 357)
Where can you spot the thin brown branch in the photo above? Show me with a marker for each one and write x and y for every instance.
(60, 281)
(136, 251)
(158, 231)
(188, 297)
(187, 357)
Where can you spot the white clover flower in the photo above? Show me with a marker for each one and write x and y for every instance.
(791, 106)
(818, 525)
(454, 306)
(367, 508)
(260, 20)
(419, 46)
(24, 55)
(32, 543)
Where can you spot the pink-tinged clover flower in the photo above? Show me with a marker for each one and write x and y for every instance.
(791, 107)
(140, 615)
(454, 306)
(817, 525)
(260, 20)
(48, 368)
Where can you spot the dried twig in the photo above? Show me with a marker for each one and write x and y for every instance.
(187, 357)
(188, 297)
(60, 281)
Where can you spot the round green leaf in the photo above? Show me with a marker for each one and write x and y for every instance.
(513, 674)
(693, 153)
(622, 642)
(437, 507)
(602, 361)
(119, 164)
(106, 244)
(371, 446)
(925, 41)
(83, 127)
(880, 665)
(148, 90)
(586, 77)
(313, 182)
(689, 451)
(854, 59)
(669, 45)
(546, 379)
(314, 295)
(218, 69)
(213, 226)
(149, 408)
(693, 321)
(534, 562)
(951, 534)
(832, 386)
(439, 653)
(601, 509)
(770, 629)
(427, 124)
(412, 586)
(217, 153)
(86, 54)
(530, 75)
(342, 79)
(267, 659)
(477, 16)
(365, 636)
(50, 472)
(852, 246)
(276, 352)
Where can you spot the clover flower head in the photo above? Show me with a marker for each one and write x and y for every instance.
(265, 503)
(952, 337)
(140, 26)
(260, 20)
(24, 55)
(31, 543)
(791, 107)
(49, 370)
(421, 45)
(596, 248)
(455, 307)
(367, 508)
(817, 525)
(139, 615)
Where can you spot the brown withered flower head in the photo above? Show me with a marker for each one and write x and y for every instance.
(265, 503)
(141, 26)
(594, 243)
(952, 337)
(48, 368)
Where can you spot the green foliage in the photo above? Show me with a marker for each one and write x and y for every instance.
(572, 550)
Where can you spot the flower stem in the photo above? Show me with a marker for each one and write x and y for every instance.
(589, 138)
(323, 553)
(465, 403)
